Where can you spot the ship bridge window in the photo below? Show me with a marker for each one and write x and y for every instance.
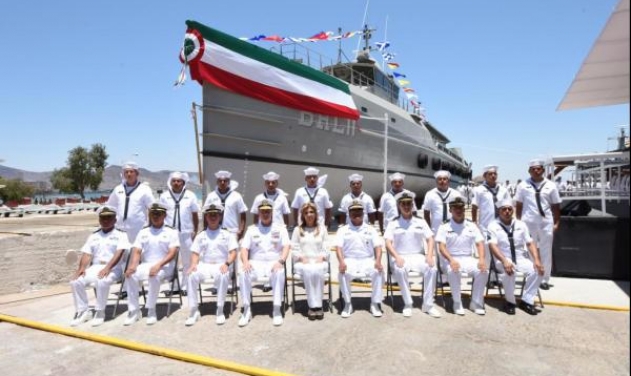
(364, 110)
(393, 120)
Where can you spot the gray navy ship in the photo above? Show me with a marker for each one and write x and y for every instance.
(249, 136)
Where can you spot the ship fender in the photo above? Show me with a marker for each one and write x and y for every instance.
(422, 160)
(436, 164)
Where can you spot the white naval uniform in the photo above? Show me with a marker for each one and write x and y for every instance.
(213, 248)
(484, 198)
(541, 228)
(140, 199)
(182, 221)
(265, 247)
(388, 207)
(523, 263)
(365, 199)
(437, 204)
(154, 244)
(409, 239)
(358, 245)
(281, 206)
(460, 239)
(311, 247)
(319, 196)
(102, 247)
(233, 207)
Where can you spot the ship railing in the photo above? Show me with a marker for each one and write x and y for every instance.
(446, 150)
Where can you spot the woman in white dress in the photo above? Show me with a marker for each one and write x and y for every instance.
(309, 242)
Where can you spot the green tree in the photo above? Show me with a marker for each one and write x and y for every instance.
(84, 169)
(15, 189)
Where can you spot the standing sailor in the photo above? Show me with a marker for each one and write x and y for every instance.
(387, 204)
(232, 201)
(277, 196)
(313, 192)
(183, 216)
(357, 193)
(435, 205)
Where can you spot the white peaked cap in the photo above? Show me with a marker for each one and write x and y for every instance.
(536, 162)
(223, 174)
(404, 194)
(488, 168)
(504, 202)
(442, 173)
(355, 177)
(397, 176)
(271, 176)
(178, 175)
(311, 171)
(130, 165)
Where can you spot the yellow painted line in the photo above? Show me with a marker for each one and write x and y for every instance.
(144, 348)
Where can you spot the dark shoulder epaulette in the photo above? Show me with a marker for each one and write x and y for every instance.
(397, 217)
(97, 230)
(417, 216)
(171, 227)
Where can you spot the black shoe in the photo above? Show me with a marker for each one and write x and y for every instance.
(528, 308)
(267, 288)
(544, 286)
(311, 314)
(509, 308)
(123, 295)
(319, 313)
(230, 291)
(213, 291)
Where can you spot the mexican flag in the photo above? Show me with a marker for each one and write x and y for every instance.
(241, 67)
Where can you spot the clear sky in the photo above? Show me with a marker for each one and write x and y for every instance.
(489, 73)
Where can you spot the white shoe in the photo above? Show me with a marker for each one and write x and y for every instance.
(81, 317)
(192, 319)
(277, 320)
(220, 320)
(407, 311)
(374, 309)
(245, 318)
(152, 318)
(458, 310)
(477, 309)
(99, 318)
(347, 311)
(433, 312)
(132, 317)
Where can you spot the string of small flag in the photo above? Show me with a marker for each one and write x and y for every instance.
(401, 78)
(321, 36)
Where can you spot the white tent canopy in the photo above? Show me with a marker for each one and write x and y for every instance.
(603, 79)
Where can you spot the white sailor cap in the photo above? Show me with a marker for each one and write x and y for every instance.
(442, 174)
(504, 202)
(355, 177)
(489, 168)
(177, 175)
(536, 162)
(397, 176)
(130, 165)
(222, 174)
(271, 176)
(311, 171)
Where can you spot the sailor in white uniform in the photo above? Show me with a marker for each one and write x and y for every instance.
(514, 250)
(456, 240)
(232, 201)
(358, 248)
(387, 204)
(264, 251)
(131, 199)
(101, 265)
(182, 215)
(214, 252)
(277, 196)
(152, 257)
(538, 204)
(312, 192)
(356, 193)
(435, 205)
(410, 243)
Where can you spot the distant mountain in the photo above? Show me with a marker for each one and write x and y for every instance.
(111, 177)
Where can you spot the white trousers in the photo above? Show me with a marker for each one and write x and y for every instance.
(542, 234)
(531, 285)
(132, 285)
(468, 266)
(262, 272)
(78, 286)
(185, 256)
(361, 268)
(312, 274)
(416, 263)
(208, 272)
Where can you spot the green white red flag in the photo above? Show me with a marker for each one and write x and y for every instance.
(241, 67)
